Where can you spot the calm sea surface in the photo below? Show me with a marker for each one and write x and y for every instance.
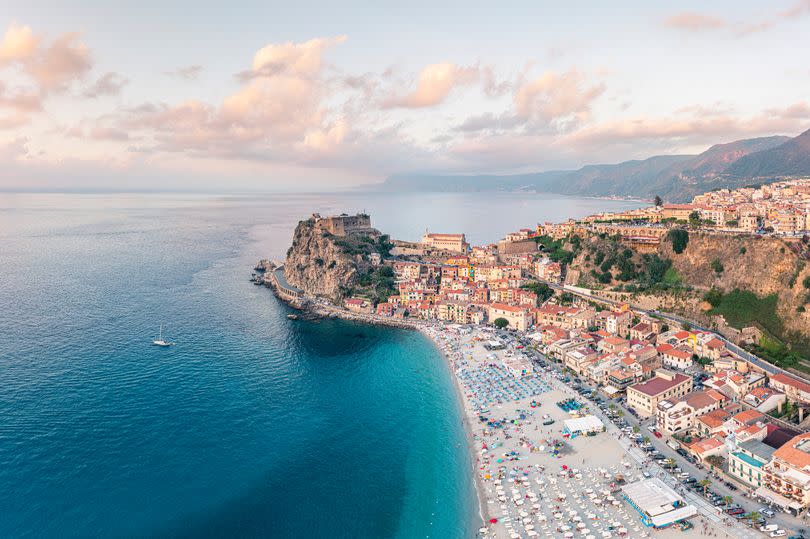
(252, 425)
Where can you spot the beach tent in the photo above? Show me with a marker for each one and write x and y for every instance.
(578, 425)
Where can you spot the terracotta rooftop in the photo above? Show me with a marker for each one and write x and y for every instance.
(747, 417)
(795, 452)
(702, 446)
(700, 399)
(714, 419)
(658, 385)
(790, 381)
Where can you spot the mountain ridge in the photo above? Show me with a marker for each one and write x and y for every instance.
(674, 177)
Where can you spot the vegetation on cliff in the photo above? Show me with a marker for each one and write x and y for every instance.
(335, 267)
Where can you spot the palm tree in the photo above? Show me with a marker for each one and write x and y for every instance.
(728, 500)
(753, 515)
(646, 439)
(705, 484)
(636, 429)
(670, 462)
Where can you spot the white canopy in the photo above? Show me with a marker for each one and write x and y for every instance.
(586, 423)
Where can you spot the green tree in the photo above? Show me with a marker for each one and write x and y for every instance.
(714, 297)
(728, 500)
(694, 219)
(657, 201)
(501, 323)
(806, 282)
(717, 266)
(679, 238)
(705, 484)
(542, 290)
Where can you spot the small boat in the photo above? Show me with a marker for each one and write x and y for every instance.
(160, 341)
(292, 316)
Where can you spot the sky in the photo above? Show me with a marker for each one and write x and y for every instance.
(270, 96)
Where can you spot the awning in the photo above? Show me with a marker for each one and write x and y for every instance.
(610, 390)
(665, 519)
(777, 499)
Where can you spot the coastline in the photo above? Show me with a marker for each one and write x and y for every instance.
(535, 479)
(466, 414)
(315, 311)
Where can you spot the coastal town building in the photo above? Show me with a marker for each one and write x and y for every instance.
(518, 317)
(644, 397)
(678, 415)
(448, 242)
(343, 224)
(786, 480)
(747, 461)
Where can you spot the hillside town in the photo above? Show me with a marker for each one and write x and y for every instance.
(781, 208)
(715, 405)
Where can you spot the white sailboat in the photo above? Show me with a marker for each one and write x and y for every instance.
(160, 341)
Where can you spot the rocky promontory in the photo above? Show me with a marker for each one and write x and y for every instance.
(334, 257)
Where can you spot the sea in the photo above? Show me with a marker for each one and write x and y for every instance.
(251, 425)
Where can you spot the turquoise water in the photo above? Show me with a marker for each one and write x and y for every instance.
(252, 425)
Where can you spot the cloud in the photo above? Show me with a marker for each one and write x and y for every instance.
(802, 7)
(694, 22)
(556, 99)
(64, 61)
(699, 22)
(49, 67)
(278, 113)
(108, 84)
(20, 100)
(190, 72)
(19, 44)
(435, 83)
(489, 121)
(301, 60)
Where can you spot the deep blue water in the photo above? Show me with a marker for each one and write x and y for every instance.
(252, 425)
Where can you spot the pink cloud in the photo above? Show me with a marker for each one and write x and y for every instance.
(18, 44)
(434, 85)
(559, 98)
(694, 22)
(108, 84)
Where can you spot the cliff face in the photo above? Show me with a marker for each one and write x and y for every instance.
(763, 266)
(325, 265)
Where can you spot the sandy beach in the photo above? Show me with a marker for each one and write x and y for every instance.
(531, 480)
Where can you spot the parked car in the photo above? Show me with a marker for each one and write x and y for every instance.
(778, 533)
(657, 434)
(768, 528)
(767, 512)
